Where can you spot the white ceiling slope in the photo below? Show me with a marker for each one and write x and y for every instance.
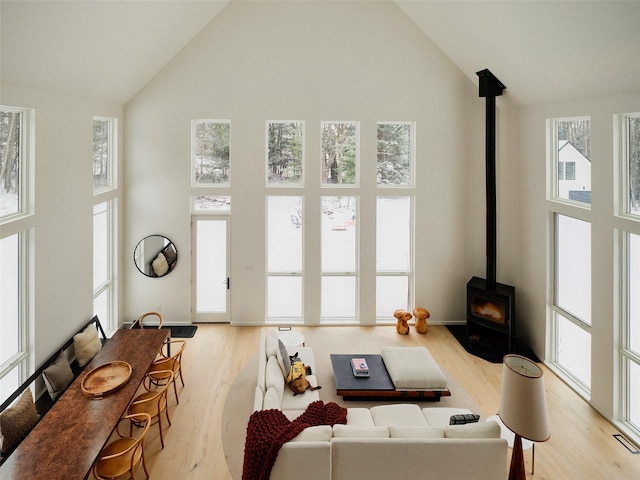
(543, 51)
(106, 50)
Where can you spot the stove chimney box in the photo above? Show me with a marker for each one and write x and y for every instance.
(490, 86)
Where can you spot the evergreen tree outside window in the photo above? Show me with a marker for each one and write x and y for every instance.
(285, 153)
(210, 152)
(395, 153)
(339, 154)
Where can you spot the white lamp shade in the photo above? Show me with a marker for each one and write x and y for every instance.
(523, 404)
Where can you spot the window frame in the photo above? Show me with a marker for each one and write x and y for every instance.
(356, 182)
(26, 181)
(412, 155)
(112, 159)
(22, 223)
(109, 285)
(553, 163)
(194, 182)
(299, 184)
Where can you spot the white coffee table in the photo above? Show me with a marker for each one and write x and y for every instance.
(291, 338)
(509, 436)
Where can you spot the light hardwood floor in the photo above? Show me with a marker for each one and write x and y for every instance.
(581, 445)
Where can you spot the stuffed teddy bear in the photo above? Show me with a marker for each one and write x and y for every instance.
(403, 317)
(421, 315)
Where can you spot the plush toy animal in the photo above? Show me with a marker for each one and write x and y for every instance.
(403, 317)
(297, 378)
(421, 315)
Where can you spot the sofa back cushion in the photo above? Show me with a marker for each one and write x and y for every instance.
(416, 432)
(316, 433)
(404, 459)
(489, 429)
(273, 376)
(356, 431)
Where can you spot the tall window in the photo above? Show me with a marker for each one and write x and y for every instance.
(394, 255)
(15, 184)
(104, 153)
(210, 140)
(339, 156)
(285, 153)
(395, 153)
(105, 148)
(572, 298)
(104, 294)
(631, 336)
(284, 258)
(571, 155)
(339, 248)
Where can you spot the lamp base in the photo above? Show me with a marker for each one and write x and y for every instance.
(516, 471)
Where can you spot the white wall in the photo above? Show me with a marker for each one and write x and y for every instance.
(310, 61)
(534, 230)
(63, 218)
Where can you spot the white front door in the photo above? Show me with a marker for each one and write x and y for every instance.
(210, 269)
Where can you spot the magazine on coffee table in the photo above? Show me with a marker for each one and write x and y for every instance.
(359, 367)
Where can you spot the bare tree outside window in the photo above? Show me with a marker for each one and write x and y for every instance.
(285, 146)
(633, 153)
(211, 152)
(101, 154)
(10, 162)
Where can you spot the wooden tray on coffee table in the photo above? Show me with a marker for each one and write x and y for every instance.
(105, 379)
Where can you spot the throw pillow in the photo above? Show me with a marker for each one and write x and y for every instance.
(17, 421)
(463, 418)
(283, 359)
(160, 265)
(57, 376)
(86, 345)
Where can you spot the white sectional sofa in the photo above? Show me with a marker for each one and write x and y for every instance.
(399, 441)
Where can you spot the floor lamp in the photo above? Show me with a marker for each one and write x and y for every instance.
(523, 407)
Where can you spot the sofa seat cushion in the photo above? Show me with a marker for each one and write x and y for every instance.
(317, 433)
(360, 417)
(306, 356)
(439, 416)
(413, 368)
(400, 414)
(299, 402)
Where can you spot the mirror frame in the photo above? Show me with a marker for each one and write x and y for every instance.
(162, 260)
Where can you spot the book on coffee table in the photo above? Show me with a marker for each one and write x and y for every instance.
(359, 367)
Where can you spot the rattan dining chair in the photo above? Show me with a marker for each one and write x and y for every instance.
(138, 322)
(156, 374)
(125, 454)
(153, 403)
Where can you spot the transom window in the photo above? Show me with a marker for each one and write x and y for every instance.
(571, 155)
(395, 153)
(285, 153)
(104, 153)
(339, 157)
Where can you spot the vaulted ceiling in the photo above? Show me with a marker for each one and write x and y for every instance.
(543, 51)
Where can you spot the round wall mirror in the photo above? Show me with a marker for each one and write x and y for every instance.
(155, 256)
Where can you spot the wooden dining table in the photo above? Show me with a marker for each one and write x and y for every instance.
(68, 439)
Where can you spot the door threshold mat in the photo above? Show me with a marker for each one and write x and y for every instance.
(179, 331)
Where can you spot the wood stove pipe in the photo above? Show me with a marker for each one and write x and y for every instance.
(490, 87)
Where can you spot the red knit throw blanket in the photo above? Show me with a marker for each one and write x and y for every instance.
(268, 430)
